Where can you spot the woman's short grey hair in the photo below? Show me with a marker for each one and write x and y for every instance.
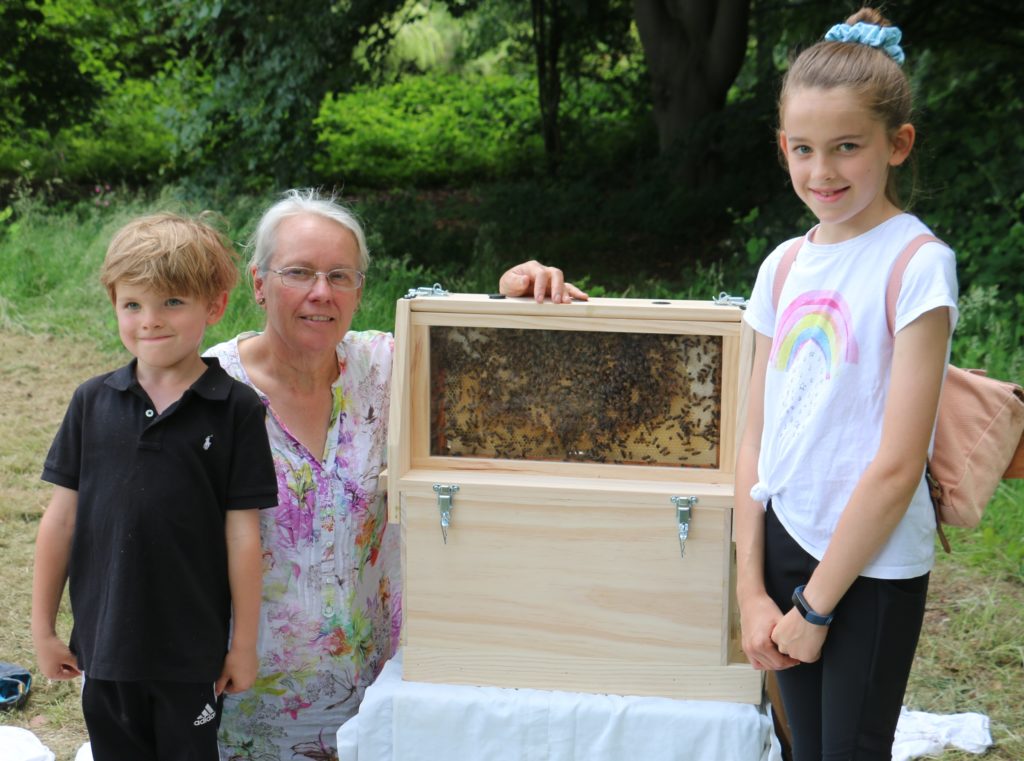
(305, 201)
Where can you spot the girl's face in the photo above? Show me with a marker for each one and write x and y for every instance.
(839, 153)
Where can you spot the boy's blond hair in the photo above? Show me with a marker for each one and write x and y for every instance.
(170, 253)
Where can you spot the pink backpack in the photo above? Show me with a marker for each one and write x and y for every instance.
(979, 431)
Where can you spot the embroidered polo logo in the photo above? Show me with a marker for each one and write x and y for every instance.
(208, 442)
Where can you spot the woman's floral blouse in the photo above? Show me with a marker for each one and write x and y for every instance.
(331, 600)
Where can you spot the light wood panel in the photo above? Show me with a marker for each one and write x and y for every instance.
(399, 415)
(567, 575)
(735, 683)
(595, 308)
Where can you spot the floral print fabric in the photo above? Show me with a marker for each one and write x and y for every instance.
(331, 607)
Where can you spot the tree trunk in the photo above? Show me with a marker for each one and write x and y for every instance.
(547, 19)
(694, 50)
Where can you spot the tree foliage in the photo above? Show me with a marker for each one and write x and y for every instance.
(417, 93)
(41, 85)
(257, 70)
(561, 43)
(565, 36)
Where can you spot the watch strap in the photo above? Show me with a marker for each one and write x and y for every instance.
(809, 614)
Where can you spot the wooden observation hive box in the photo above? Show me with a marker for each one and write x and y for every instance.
(563, 476)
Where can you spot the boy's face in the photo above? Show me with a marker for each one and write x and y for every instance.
(163, 330)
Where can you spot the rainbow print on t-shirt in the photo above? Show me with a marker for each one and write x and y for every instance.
(815, 321)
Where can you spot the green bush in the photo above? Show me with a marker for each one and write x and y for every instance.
(126, 140)
(990, 334)
(444, 129)
(429, 130)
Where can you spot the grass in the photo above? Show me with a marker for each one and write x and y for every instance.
(37, 375)
(56, 329)
(49, 265)
(971, 655)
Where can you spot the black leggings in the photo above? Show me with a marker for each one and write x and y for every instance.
(844, 707)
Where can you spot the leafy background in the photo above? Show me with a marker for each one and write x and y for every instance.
(473, 134)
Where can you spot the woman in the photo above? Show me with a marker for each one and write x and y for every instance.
(331, 602)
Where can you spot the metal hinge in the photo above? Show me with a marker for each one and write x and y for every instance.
(724, 299)
(426, 290)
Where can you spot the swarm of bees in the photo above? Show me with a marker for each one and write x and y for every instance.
(581, 396)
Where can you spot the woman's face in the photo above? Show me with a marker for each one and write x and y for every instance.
(316, 318)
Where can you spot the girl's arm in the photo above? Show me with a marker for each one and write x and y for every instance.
(245, 577)
(53, 548)
(887, 485)
(758, 613)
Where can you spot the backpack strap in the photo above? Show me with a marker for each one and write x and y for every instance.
(783, 270)
(892, 294)
(892, 290)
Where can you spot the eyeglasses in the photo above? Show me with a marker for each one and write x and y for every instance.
(341, 279)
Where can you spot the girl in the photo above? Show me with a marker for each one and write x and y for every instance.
(835, 540)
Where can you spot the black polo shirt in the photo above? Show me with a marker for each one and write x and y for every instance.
(148, 571)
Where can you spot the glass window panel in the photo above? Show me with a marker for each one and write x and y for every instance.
(576, 396)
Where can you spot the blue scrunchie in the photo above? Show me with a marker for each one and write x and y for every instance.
(886, 38)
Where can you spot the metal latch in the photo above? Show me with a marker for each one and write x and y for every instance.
(445, 493)
(426, 290)
(683, 506)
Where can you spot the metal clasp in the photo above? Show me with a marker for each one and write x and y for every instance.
(724, 299)
(426, 290)
(445, 493)
(683, 506)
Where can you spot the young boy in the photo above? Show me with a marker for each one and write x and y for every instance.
(160, 469)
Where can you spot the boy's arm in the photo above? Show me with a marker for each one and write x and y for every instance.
(53, 549)
(245, 576)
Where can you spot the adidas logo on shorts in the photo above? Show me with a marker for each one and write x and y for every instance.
(206, 716)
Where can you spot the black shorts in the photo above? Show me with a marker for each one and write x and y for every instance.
(151, 720)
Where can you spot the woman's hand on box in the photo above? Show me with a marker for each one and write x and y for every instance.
(540, 280)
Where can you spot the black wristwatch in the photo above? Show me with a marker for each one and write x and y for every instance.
(800, 603)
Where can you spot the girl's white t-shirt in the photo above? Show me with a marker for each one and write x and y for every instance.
(828, 379)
